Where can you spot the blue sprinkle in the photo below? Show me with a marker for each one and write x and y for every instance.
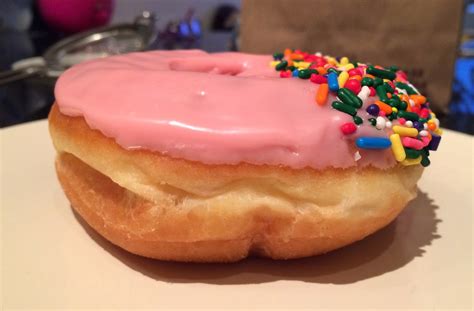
(373, 143)
(295, 73)
(373, 110)
(434, 143)
(332, 82)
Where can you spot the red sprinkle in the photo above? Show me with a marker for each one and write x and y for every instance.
(319, 79)
(424, 113)
(353, 85)
(285, 74)
(401, 121)
(372, 91)
(348, 128)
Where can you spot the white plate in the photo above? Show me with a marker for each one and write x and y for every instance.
(51, 259)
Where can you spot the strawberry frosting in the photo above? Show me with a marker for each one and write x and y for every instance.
(222, 108)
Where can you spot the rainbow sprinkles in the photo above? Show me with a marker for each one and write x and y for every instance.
(398, 107)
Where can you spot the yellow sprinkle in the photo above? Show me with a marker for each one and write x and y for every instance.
(407, 162)
(348, 67)
(274, 63)
(332, 61)
(395, 110)
(343, 76)
(301, 65)
(397, 148)
(344, 61)
(438, 131)
(405, 131)
(386, 80)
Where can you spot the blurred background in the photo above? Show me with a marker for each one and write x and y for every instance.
(433, 40)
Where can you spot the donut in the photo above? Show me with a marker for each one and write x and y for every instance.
(197, 157)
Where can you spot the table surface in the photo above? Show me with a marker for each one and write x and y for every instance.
(52, 259)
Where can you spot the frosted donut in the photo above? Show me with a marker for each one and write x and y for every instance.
(189, 156)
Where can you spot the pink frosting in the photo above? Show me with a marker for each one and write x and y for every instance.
(224, 108)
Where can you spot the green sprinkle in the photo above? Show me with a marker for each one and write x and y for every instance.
(393, 68)
(349, 98)
(312, 70)
(422, 120)
(406, 87)
(373, 121)
(291, 68)
(408, 115)
(392, 116)
(381, 73)
(403, 105)
(333, 70)
(381, 93)
(367, 81)
(394, 102)
(277, 56)
(357, 120)
(304, 74)
(388, 88)
(412, 153)
(425, 161)
(344, 108)
(281, 66)
(377, 82)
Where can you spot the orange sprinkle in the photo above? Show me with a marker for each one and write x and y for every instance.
(321, 70)
(384, 107)
(432, 126)
(418, 99)
(296, 56)
(287, 52)
(369, 76)
(290, 62)
(322, 94)
(405, 98)
(356, 77)
(389, 95)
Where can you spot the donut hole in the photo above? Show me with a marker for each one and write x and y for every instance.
(207, 65)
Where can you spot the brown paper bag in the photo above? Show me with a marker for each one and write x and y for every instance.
(419, 36)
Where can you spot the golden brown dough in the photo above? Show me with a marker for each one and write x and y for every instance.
(174, 209)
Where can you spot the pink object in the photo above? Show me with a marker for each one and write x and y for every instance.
(353, 85)
(401, 121)
(412, 143)
(75, 15)
(223, 108)
(425, 141)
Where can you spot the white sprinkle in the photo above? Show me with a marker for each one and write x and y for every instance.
(319, 54)
(436, 121)
(409, 123)
(425, 126)
(402, 91)
(380, 125)
(388, 124)
(423, 133)
(364, 93)
(412, 102)
(357, 156)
